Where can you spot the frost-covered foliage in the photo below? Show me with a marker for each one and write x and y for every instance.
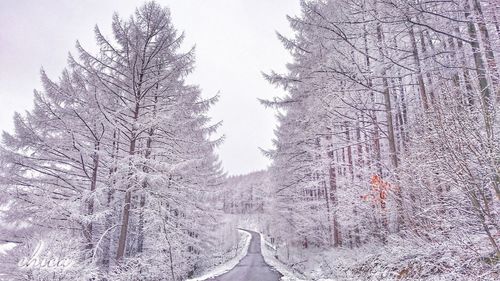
(115, 166)
(246, 194)
(390, 132)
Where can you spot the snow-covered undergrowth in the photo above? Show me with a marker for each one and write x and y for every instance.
(399, 260)
(6, 247)
(269, 253)
(241, 251)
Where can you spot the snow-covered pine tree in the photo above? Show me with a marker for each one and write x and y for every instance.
(118, 158)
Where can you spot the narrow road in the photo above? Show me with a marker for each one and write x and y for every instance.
(252, 267)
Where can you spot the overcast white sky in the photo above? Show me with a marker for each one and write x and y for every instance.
(235, 41)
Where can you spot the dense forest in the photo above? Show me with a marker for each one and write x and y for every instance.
(389, 136)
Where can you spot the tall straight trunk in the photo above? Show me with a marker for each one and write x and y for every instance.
(495, 81)
(403, 115)
(90, 205)
(495, 6)
(387, 103)
(390, 124)
(398, 125)
(428, 73)
(486, 95)
(142, 200)
(420, 78)
(328, 214)
(337, 239)
(375, 134)
(486, 42)
(330, 190)
(376, 153)
(360, 163)
(400, 122)
(469, 93)
(140, 237)
(109, 217)
(480, 67)
(122, 240)
(349, 151)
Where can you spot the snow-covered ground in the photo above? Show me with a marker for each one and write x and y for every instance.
(5, 247)
(400, 259)
(268, 251)
(225, 267)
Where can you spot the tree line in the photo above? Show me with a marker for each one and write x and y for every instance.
(390, 125)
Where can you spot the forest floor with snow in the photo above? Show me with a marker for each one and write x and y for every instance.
(231, 260)
(399, 259)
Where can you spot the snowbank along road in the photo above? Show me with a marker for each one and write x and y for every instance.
(252, 267)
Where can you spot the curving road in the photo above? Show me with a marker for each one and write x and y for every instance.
(252, 267)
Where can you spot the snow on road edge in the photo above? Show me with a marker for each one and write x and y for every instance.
(288, 275)
(227, 266)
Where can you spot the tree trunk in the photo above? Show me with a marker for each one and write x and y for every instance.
(90, 204)
(122, 240)
(390, 124)
(420, 78)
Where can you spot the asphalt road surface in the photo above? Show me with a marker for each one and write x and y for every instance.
(252, 267)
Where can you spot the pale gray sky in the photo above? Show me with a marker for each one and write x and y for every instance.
(235, 41)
